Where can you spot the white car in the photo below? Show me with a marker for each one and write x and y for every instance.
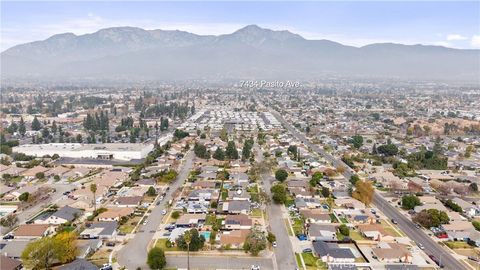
(274, 244)
(255, 267)
(164, 212)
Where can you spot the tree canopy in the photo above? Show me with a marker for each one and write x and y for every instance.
(281, 175)
(279, 193)
(363, 192)
(156, 258)
(231, 151)
(431, 218)
(197, 241)
(357, 141)
(410, 201)
(41, 253)
(255, 242)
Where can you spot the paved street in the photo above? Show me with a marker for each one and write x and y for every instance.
(134, 254)
(417, 235)
(284, 256)
(405, 224)
(220, 262)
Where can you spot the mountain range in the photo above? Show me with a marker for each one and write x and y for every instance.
(249, 53)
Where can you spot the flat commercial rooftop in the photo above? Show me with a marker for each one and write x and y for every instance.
(81, 147)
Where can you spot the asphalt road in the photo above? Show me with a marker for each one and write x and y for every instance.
(417, 235)
(217, 262)
(405, 224)
(134, 254)
(284, 256)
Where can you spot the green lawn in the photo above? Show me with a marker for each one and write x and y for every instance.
(312, 262)
(288, 228)
(333, 218)
(297, 258)
(290, 201)
(252, 189)
(129, 225)
(256, 212)
(210, 219)
(343, 220)
(224, 195)
(297, 225)
(457, 244)
(161, 243)
(388, 228)
(126, 228)
(355, 235)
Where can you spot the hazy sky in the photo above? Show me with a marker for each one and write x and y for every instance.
(452, 24)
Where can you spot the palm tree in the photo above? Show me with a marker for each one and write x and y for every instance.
(187, 236)
(93, 189)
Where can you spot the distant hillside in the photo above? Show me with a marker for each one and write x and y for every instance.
(251, 52)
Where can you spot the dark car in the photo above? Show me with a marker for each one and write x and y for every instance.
(434, 259)
(8, 236)
(307, 250)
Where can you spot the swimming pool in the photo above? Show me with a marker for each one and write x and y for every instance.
(206, 234)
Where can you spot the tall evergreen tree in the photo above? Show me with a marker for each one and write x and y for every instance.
(36, 125)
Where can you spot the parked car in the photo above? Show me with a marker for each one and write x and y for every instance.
(274, 244)
(8, 236)
(106, 267)
(420, 246)
(255, 267)
(302, 237)
(394, 221)
(307, 250)
(473, 258)
(436, 261)
(164, 212)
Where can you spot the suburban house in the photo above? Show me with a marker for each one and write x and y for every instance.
(322, 232)
(33, 231)
(374, 232)
(191, 220)
(234, 239)
(128, 201)
(237, 222)
(8, 263)
(115, 213)
(468, 208)
(63, 215)
(333, 253)
(100, 230)
(301, 203)
(79, 264)
(392, 252)
(235, 207)
(316, 215)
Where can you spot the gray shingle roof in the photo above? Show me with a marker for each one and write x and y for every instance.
(332, 249)
(79, 264)
(68, 213)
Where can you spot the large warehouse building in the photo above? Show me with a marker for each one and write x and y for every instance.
(116, 151)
